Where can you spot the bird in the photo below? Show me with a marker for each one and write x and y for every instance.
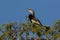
(32, 17)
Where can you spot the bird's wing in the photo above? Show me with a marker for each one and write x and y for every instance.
(34, 20)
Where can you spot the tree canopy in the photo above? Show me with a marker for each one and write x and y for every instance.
(23, 31)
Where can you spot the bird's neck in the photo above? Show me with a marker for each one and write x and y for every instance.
(31, 16)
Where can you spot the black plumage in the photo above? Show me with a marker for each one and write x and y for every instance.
(31, 17)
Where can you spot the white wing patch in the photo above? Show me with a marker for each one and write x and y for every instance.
(35, 21)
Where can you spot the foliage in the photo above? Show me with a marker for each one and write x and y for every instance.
(15, 31)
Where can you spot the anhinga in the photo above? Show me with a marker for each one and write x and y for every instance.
(32, 17)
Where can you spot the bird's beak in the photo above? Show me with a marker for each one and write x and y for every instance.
(27, 10)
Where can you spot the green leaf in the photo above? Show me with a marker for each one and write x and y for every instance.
(21, 33)
(38, 33)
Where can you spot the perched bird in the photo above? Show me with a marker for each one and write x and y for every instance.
(32, 17)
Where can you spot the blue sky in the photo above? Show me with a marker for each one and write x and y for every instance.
(47, 11)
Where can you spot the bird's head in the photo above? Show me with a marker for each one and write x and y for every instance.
(31, 11)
